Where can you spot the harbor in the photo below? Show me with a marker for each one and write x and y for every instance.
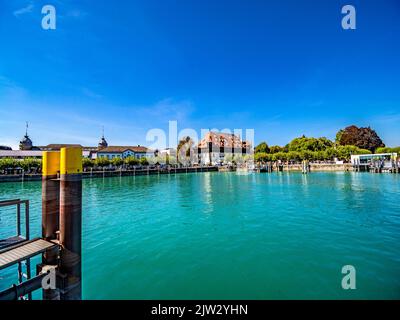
(375, 167)
(198, 158)
(206, 183)
(138, 232)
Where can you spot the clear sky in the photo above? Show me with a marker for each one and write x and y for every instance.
(284, 68)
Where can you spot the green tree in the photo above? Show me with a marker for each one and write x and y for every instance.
(184, 150)
(345, 152)
(131, 161)
(8, 163)
(330, 154)
(144, 161)
(102, 162)
(388, 150)
(87, 163)
(276, 149)
(283, 156)
(117, 161)
(29, 163)
(186, 143)
(339, 135)
(310, 144)
(262, 157)
(294, 156)
(262, 148)
(161, 159)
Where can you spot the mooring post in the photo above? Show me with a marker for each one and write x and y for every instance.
(50, 194)
(50, 210)
(305, 167)
(71, 222)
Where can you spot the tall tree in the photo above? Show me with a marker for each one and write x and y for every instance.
(310, 144)
(262, 148)
(185, 149)
(364, 138)
(276, 149)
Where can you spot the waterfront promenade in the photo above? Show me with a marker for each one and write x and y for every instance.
(119, 172)
(112, 173)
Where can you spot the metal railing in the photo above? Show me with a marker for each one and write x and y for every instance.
(18, 203)
(19, 238)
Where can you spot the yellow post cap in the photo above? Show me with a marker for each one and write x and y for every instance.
(50, 163)
(71, 160)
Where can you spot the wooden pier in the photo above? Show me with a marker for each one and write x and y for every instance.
(24, 251)
(18, 249)
(115, 173)
(60, 245)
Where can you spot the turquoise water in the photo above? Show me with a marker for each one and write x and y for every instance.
(228, 236)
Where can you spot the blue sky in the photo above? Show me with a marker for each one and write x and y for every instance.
(284, 68)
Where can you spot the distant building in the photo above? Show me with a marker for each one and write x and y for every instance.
(27, 150)
(20, 154)
(213, 148)
(57, 146)
(26, 143)
(171, 152)
(87, 152)
(102, 143)
(123, 152)
(367, 159)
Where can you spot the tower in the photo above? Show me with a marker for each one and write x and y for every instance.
(26, 142)
(103, 143)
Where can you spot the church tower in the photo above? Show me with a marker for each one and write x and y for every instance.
(103, 143)
(26, 142)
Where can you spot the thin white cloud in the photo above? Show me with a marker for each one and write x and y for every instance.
(9, 90)
(167, 109)
(76, 13)
(4, 81)
(385, 118)
(91, 94)
(24, 10)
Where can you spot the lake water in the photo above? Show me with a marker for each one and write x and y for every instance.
(228, 236)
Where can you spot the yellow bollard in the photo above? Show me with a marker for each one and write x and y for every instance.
(50, 194)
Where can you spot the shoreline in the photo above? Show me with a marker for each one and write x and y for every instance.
(109, 174)
(314, 167)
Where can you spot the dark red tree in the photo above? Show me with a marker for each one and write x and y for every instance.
(365, 138)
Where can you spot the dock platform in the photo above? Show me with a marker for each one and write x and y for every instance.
(24, 251)
(12, 241)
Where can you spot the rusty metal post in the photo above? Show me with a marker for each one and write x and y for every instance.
(50, 210)
(50, 194)
(71, 221)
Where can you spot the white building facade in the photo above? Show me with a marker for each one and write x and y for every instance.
(124, 152)
(215, 148)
